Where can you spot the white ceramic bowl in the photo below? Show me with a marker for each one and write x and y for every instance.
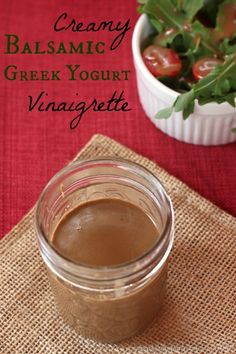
(210, 124)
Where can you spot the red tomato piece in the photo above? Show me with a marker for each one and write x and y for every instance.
(162, 61)
(204, 66)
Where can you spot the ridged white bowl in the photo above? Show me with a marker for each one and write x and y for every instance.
(210, 124)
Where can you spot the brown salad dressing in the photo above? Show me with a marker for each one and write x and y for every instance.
(104, 232)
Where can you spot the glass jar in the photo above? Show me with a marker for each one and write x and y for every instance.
(114, 302)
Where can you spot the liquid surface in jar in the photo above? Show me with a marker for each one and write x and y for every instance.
(105, 232)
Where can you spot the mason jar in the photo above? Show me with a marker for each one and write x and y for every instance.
(106, 303)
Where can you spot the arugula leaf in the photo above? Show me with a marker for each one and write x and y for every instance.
(221, 88)
(189, 109)
(156, 23)
(164, 113)
(165, 38)
(233, 130)
(228, 46)
(185, 103)
(165, 12)
(205, 34)
(191, 7)
(230, 98)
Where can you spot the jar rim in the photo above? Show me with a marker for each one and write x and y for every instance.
(105, 272)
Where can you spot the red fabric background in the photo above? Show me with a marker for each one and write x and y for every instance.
(33, 145)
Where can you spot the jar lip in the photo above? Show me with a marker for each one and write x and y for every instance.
(124, 163)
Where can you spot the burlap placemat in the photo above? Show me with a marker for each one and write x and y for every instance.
(199, 312)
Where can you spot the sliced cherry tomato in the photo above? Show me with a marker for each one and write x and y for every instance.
(162, 61)
(204, 66)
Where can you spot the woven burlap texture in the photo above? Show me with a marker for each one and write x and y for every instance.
(198, 315)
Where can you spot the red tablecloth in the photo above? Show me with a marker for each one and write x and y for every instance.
(34, 145)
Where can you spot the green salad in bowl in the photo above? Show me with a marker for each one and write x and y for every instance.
(191, 49)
